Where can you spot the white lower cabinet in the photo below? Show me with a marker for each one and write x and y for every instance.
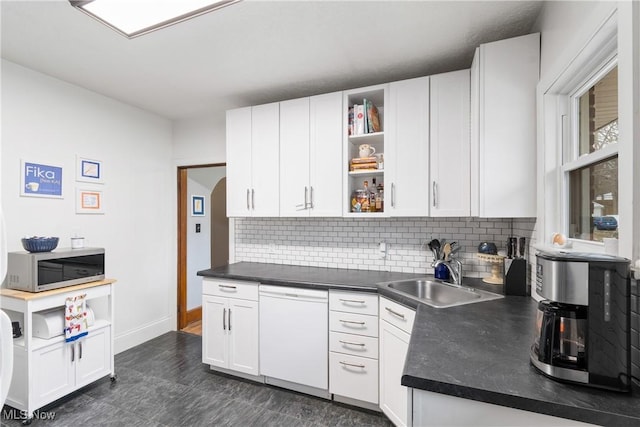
(396, 322)
(77, 364)
(353, 348)
(230, 325)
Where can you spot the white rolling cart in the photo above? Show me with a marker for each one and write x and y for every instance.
(48, 369)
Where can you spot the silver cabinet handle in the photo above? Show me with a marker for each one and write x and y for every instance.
(253, 199)
(352, 321)
(394, 312)
(227, 287)
(352, 300)
(224, 319)
(229, 317)
(352, 343)
(306, 197)
(435, 194)
(304, 205)
(393, 195)
(311, 197)
(80, 346)
(73, 353)
(351, 364)
(248, 207)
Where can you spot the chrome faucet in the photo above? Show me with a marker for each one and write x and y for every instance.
(454, 273)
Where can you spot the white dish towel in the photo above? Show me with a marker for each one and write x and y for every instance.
(75, 318)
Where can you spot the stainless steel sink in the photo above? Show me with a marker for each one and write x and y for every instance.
(440, 294)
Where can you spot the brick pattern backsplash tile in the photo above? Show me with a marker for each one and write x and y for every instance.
(353, 243)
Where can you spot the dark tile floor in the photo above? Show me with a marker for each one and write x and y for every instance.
(163, 383)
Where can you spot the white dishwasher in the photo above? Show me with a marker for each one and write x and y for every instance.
(294, 335)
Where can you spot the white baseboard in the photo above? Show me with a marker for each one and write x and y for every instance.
(142, 334)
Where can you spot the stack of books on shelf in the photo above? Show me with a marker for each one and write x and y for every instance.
(363, 164)
(363, 118)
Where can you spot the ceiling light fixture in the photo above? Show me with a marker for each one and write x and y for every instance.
(133, 18)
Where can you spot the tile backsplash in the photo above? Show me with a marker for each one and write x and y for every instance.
(353, 243)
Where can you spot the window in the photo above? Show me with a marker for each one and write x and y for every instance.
(591, 158)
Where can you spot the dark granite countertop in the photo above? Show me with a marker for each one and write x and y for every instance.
(475, 351)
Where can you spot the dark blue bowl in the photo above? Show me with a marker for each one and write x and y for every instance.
(39, 244)
(488, 248)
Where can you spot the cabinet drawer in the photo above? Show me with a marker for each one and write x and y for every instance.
(230, 288)
(397, 314)
(359, 324)
(353, 302)
(356, 345)
(354, 377)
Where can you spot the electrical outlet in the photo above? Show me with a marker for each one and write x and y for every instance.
(271, 248)
(382, 250)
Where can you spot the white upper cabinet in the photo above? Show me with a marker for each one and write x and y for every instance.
(325, 162)
(253, 137)
(311, 156)
(503, 127)
(294, 157)
(407, 148)
(450, 146)
(239, 162)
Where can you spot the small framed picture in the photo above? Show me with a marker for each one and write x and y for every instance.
(89, 201)
(40, 180)
(197, 205)
(89, 170)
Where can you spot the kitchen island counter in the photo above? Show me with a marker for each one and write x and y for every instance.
(476, 351)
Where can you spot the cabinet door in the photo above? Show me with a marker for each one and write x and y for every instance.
(325, 161)
(243, 336)
(294, 157)
(265, 160)
(53, 372)
(449, 144)
(214, 331)
(93, 356)
(407, 149)
(395, 399)
(238, 162)
(507, 79)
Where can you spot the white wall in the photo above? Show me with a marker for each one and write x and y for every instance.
(199, 141)
(47, 120)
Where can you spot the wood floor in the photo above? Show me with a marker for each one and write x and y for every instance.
(194, 328)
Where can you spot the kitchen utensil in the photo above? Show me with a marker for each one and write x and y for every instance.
(434, 245)
(522, 246)
(512, 246)
(446, 251)
(454, 250)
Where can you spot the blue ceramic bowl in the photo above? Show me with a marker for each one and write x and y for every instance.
(488, 248)
(39, 244)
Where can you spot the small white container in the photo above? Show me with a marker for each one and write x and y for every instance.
(77, 242)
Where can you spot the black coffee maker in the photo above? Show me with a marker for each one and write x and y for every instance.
(582, 327)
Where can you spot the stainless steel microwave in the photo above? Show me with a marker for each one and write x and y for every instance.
(42, 271)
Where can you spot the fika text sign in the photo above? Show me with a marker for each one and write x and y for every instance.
(41, 180)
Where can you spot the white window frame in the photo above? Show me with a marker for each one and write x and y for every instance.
(571, 159)
(557, 133)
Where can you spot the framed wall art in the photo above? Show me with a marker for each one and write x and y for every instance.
(89, 201)
(89, 170)
(197, 205)
(40, 180)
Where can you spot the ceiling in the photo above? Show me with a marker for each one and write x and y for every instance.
(255, 52)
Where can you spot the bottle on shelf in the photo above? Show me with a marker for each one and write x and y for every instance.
(380, 198)
(372, 196)
(366, 203)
